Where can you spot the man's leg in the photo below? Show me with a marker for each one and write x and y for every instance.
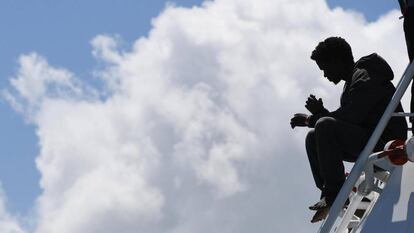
(310, 143)
(409, 31)
(336, 141)
(409, 39)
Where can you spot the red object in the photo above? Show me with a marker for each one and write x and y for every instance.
(394, 150)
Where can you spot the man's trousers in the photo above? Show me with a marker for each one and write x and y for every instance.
(409, 31)
(409, 39)
(330, 143)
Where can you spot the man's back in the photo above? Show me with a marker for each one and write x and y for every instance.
(373, 77)
(365, 97)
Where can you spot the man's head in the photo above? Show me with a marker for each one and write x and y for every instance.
(334, 57)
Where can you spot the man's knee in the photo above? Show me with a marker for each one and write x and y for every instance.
(310, 143)
(325, 124)
(310, 138)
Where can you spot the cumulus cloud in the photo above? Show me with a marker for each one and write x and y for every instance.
(195, 134)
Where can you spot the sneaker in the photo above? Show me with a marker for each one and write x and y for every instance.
(320, 214)
(319, 205)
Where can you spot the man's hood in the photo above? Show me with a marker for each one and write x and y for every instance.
(378, 69)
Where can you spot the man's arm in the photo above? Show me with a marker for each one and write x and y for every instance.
(299, 119)
(315, 106)
(361, 100)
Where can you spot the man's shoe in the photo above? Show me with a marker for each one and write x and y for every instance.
(320, 214)
(319, 205)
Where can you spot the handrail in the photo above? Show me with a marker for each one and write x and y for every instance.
(403, 114)
(363, 157)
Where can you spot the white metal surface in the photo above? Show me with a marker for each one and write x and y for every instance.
(394, 211)
(409, 148)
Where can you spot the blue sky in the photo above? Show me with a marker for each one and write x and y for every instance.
(61, 32)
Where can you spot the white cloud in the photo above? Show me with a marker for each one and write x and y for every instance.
(37, 81)
(195, 135)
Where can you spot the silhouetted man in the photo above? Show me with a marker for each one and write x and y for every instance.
(342, 134)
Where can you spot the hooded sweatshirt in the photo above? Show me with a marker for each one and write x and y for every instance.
(365, 98)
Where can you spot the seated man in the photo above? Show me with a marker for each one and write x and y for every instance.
(342, 134)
